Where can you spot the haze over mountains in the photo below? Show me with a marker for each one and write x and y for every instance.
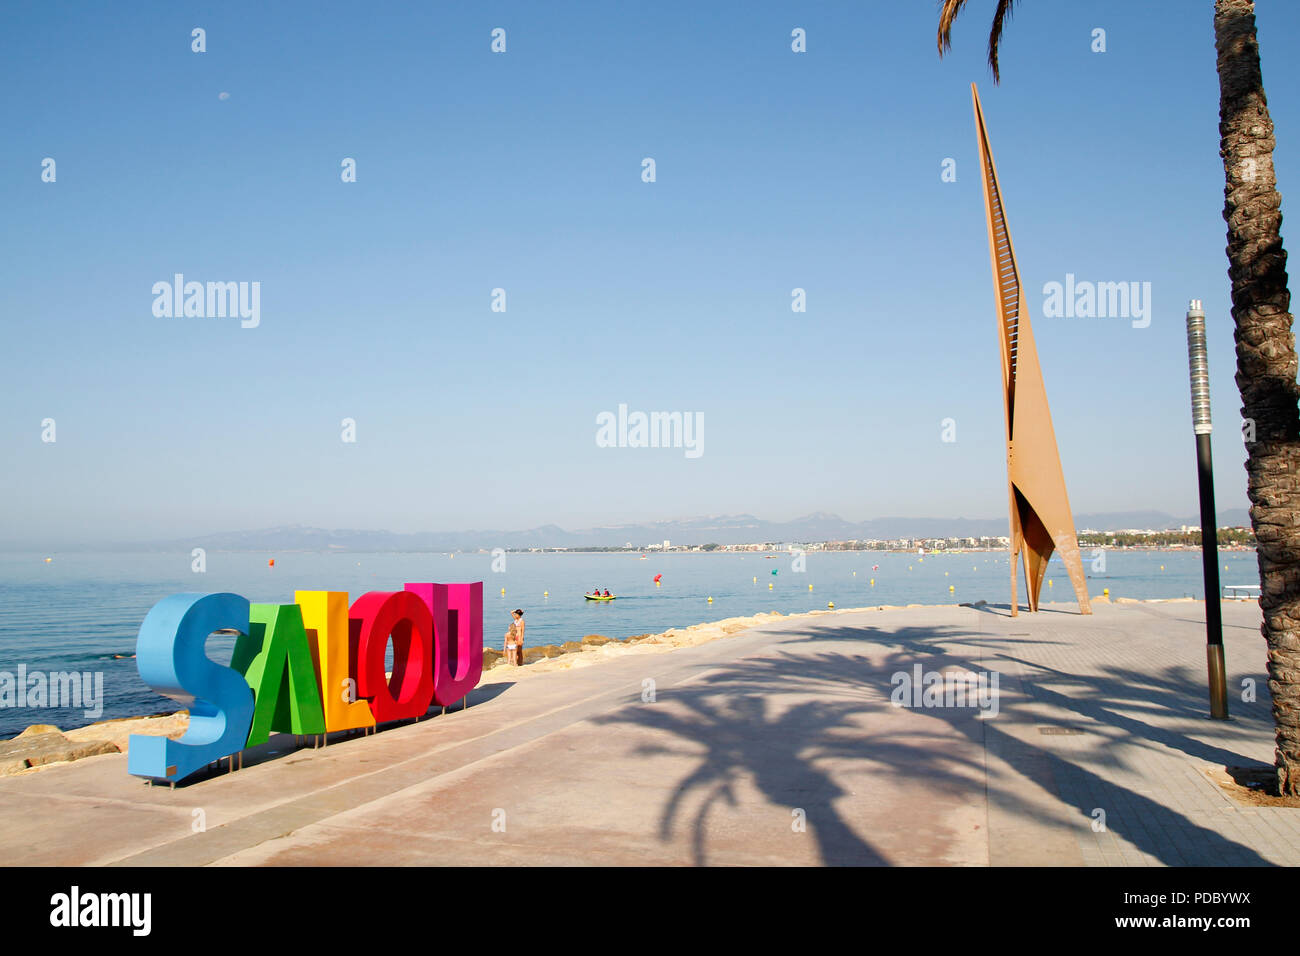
(718, 529)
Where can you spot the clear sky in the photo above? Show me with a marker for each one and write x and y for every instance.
(522, 170)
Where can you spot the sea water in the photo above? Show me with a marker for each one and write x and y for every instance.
(82, 611)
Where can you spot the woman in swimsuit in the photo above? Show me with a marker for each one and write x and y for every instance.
(515, 639)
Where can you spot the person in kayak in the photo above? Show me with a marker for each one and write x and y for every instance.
(606, 592)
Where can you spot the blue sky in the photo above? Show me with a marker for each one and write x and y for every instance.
(522, 171)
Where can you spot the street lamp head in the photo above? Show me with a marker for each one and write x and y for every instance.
(1199, 368)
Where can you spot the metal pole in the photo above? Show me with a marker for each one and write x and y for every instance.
(1200, 377)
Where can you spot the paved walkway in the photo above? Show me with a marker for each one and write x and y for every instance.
(777, 745)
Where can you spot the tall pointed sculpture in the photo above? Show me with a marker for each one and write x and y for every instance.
(1040, 510)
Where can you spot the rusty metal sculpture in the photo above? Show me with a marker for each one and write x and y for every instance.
(1040, 510)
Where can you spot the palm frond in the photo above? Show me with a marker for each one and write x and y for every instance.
(946, 17)
(1000, 18)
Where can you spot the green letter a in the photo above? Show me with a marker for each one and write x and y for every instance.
(275, 659)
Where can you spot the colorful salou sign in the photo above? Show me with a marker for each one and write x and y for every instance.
(311, 667)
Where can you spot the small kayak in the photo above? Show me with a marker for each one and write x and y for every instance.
(592, 597)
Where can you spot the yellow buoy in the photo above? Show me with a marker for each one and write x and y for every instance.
(546, 594)
(755, 580)
(830, 603)
(1106, 591)
(769, 587)
(1049, 582)
(1162, 567)
(48, 560)
(951, 588)
(710, 600)
(503, 590)
(810, 587)
(945, 574)
(873, 582)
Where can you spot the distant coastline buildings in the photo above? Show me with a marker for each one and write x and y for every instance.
(1187, 536)
(740, 533)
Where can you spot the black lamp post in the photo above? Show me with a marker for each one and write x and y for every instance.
(1200, 375)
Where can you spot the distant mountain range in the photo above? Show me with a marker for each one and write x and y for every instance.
(723, 529)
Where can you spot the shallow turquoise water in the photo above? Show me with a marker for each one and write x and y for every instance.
(79, 610)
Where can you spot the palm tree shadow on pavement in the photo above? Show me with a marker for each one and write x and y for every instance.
(740, 737)
(732, 725)
(730, 719)
(1097, 698)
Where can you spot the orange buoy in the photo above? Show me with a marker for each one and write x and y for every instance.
(271, 563)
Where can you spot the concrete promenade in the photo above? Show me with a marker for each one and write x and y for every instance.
(777, 745)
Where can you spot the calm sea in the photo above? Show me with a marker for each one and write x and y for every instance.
(79, 612)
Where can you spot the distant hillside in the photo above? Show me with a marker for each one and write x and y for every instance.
(720, 529)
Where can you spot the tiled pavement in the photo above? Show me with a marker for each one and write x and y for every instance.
(776, 745)
(1132, 678)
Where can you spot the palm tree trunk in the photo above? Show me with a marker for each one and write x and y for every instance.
(1266, 362)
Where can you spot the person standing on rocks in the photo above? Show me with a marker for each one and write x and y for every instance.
(514, 648)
